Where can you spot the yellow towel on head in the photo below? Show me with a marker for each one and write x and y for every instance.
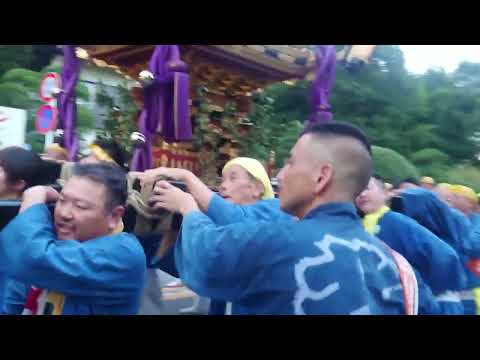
(446, 186)
(56, 147)
(427, 180)
(370, 221)
(464, 191)
(101, 154)
(476, 295)
(256, 169)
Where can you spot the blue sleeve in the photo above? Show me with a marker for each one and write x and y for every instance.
(14, 297)
(427, 304)
(474, 242)
(219, 261)
(447, 223)
(223, 212)
(104, 268)
(217, 307)
(425, 252)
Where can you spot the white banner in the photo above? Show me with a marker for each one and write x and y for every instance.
(13, 126)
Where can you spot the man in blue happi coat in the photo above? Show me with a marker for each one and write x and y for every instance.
(438, 266)
(19, 170)
(435, 211)
(325, 263)
(79, 262)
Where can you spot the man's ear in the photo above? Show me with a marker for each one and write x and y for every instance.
(259, 190)
(115, 216)
(324, 177)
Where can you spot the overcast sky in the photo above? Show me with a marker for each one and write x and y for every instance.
(419, 58)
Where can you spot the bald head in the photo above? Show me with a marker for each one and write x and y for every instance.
(329, 163)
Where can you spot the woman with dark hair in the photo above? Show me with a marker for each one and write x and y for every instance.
(19, 170)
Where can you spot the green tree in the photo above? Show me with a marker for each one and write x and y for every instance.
(398, 110)
(19, 89)
(465, 175)
(15, 56)
(258, 143)
(392, 166)
(121, 111)
(431, 162)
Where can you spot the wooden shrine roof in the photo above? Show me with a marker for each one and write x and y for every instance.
(238, 68)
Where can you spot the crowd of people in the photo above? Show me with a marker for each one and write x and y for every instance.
(338, 239)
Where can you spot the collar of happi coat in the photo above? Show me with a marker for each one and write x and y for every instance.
(370, 221)
(333, 209)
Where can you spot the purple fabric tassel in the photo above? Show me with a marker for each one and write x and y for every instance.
(67, 105)
(326, 58)
(166, 107)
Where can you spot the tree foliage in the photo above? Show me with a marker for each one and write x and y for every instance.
(121, 113)
(392, 166)
(19, 89)
(430, 119)
(464, 175)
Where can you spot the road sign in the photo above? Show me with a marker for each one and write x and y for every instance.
(48, 85)
(46, 119)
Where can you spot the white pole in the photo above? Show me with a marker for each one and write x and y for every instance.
(49, 137)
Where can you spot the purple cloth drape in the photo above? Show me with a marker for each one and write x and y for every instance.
(67, 105)
(166, 108)
(326, 58)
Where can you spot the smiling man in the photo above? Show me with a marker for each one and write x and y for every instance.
(76, 264)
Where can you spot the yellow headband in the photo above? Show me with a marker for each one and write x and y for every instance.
(446, 186)
(256, 169)
(58, 148)
(465, 191)
(101, 154)
(428, 180)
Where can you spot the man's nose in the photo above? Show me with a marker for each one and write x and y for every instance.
(65, 212)
(222, 187)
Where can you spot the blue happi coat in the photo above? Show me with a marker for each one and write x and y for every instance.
(325, 263)
(223, 212)
(436, 262)
(100, 276)
(451, 226)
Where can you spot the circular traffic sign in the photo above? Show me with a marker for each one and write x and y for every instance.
(49, 84)
(46, 119)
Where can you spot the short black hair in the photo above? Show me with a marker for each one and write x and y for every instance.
(339, 129)
(110, 175)
(21, 164)
(114, 150)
